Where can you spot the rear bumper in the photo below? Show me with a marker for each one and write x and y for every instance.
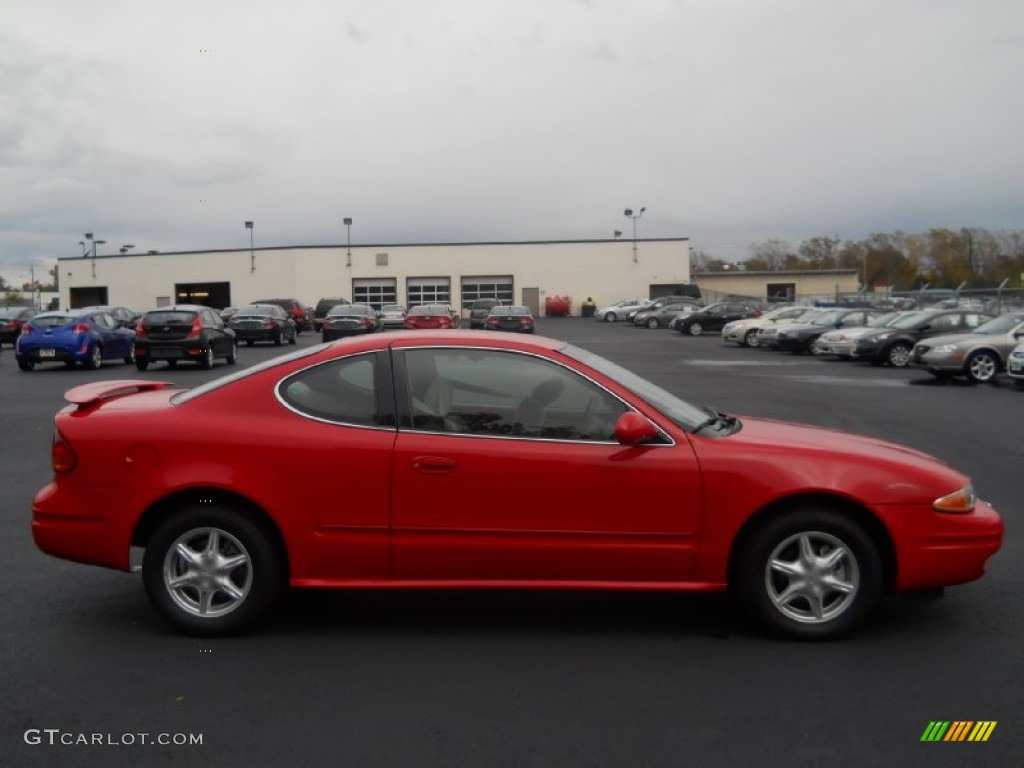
(87, 525)
(179, 351)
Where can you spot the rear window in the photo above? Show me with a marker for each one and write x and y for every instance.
(169, 318)
(51, 321)
(254, 310)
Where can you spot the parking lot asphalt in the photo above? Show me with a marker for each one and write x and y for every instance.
(520, 678)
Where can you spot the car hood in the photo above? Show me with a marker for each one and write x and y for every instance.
(786, 457)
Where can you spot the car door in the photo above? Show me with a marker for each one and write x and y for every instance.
(506, 469)
(112, 343)
(216, 332)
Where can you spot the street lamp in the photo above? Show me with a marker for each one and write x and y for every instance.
(348, 238)
(618, 233)
(94, 244)
(124, 249)
(628, 213)
(252, 253)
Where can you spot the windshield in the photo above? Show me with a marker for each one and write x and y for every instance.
(683, 414)
(1002, 324)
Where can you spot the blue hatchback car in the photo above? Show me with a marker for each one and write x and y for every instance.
(87, 336)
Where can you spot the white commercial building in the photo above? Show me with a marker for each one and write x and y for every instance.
(536, 274)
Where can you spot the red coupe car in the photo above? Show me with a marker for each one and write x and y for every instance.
(807, 526)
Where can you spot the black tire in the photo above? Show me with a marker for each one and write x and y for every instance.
(130, 357)
(95, 359)
(653, 323)
(898, 355)
(760, 585)
(278, 338)
(982, 367)
(750, 338)
(141, 364)
(256, 581)
(25, 364)
(611, 317)
(294, 339)
(206, 361)
(249, 342)
(233, 354)
(695, 328)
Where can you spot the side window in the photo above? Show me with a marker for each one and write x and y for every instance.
(946, 322)
(342, 391)
(490, 392)
(973, 319)
(102, 320)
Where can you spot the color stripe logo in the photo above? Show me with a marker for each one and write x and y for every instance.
(958, 730)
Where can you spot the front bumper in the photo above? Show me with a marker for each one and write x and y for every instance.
(937, 549)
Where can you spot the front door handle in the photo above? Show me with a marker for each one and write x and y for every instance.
(434, 465)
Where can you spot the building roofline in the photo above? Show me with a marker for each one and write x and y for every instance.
(781, 272)
(345, 246)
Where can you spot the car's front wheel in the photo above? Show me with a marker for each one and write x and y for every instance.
(811, 573)
(130, 357)
(898, 355)
(611, 317)
(653, 323)
(695, 328)
(212, 571)
(750, 338)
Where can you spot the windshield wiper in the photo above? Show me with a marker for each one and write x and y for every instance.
(715, 419)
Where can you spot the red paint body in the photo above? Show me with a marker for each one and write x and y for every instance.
(389, 507)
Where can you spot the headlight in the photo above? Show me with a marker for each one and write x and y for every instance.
(945, 349)
(960, 502)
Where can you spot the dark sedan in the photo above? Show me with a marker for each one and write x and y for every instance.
(799, 338)
(186, 332)
(712, 317)
(263, 322)
(893, 345)
(349, 320)
(515, 319)
(11, 321)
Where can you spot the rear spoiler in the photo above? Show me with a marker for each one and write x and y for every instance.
(90, 395)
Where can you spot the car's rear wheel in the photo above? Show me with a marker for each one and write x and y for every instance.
(695, 328)
(653, 323)
(278, 338)
(898, 355)
(982, 367)
(206, 361)
(212, 571)
(233, 354)
(26, 365)
(141, 364)
(95, 359)
(294, 338)
(812, 573)
(750, 338)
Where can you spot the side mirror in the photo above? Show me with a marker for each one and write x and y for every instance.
(633, 429)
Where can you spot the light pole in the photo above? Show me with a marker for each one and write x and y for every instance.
(628, 213)
(347, 221)
(124, 249)
(84, 251)
(252, 253)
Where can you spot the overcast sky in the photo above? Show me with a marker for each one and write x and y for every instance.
(168, 124)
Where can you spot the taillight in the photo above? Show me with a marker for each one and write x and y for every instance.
(197, 328)
(140, 330)
(270, 321)
(364, 321)
(61, 454)
(26, 328)
(81, 328)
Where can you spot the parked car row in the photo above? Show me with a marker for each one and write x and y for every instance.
(945, 342)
